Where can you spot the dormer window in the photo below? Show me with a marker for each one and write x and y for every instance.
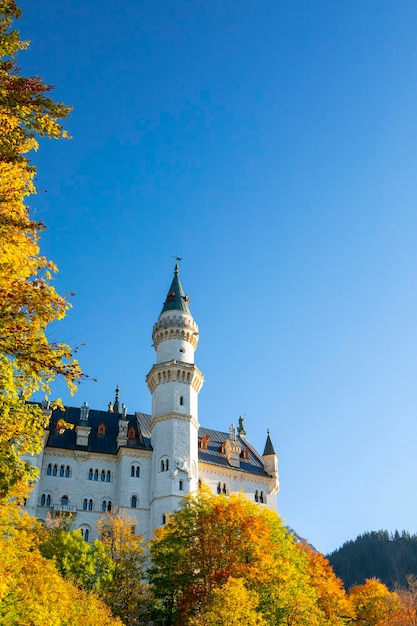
(131, 433)
(101, 430)
(60, 426)
(203, 443)
(245, 454)
(171, 296)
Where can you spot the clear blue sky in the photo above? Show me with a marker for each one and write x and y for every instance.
(273, 145)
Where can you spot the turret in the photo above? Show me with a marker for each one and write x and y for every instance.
(270, 460)
(174, 382)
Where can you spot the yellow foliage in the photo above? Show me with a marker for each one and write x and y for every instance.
(28, 301)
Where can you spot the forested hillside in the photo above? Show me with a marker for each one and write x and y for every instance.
(388, 557)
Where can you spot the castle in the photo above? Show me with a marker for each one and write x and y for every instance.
(143, 465)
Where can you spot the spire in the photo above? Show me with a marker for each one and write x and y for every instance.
(269, 448)
(176, 299)
(116, 405)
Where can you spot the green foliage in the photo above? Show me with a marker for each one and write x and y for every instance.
(87, 566)
(390, 558)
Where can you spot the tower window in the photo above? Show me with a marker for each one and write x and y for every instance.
(163, 519)
(134, 502)
(108, 476)
(67, 472)
(62, 471)
(49, 470)
(96, 474)
(256, 496)
(164, 465)
(90, 474)
(55, 470)
(181, 485)
(135, 471)
(64, 500)
(219, 488)
(182, 400)
(103, 476)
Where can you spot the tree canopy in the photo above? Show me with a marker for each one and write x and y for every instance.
(29, 361)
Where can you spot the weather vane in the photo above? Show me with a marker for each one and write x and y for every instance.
(178, 258)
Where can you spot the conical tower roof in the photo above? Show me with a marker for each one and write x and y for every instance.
(176, 299)
(269, 448)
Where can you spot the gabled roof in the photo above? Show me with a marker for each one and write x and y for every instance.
(253, 465)
(176, 299)
(107, 443)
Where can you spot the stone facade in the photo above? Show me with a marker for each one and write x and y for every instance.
(141, 464)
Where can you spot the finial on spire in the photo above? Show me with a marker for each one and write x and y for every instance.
(177, 267)
(116, 405)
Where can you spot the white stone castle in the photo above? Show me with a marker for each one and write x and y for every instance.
(143, 465)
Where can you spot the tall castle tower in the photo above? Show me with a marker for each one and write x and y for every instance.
(174, 382)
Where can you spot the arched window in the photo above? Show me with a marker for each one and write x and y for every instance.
(85, 504)
(262, 497)
(64, 500)
(104, 506)
(103, 476)
(62, 471)
(49, 470)
(131, 433)
(219, 488)
(67, 472)
(86, 534)
(109, 506)
(43, 499)
(108, 476)
(55, 470)
(101, 430)
(162, 465)
(224, 488)
(163, 519)
(181, 485)
(135, 471)
(96, 474)
(48, 500)
(90, 504)
(90, 474)
(134, 502)
(166, 465)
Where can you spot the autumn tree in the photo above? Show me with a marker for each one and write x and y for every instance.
(125, 592)
(331, 595)
(374, 604)
(212, 538)
(230, 605)
(29, 361)
(31, 589)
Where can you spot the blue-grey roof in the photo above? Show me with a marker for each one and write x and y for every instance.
(176, 299)
(107, 443)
